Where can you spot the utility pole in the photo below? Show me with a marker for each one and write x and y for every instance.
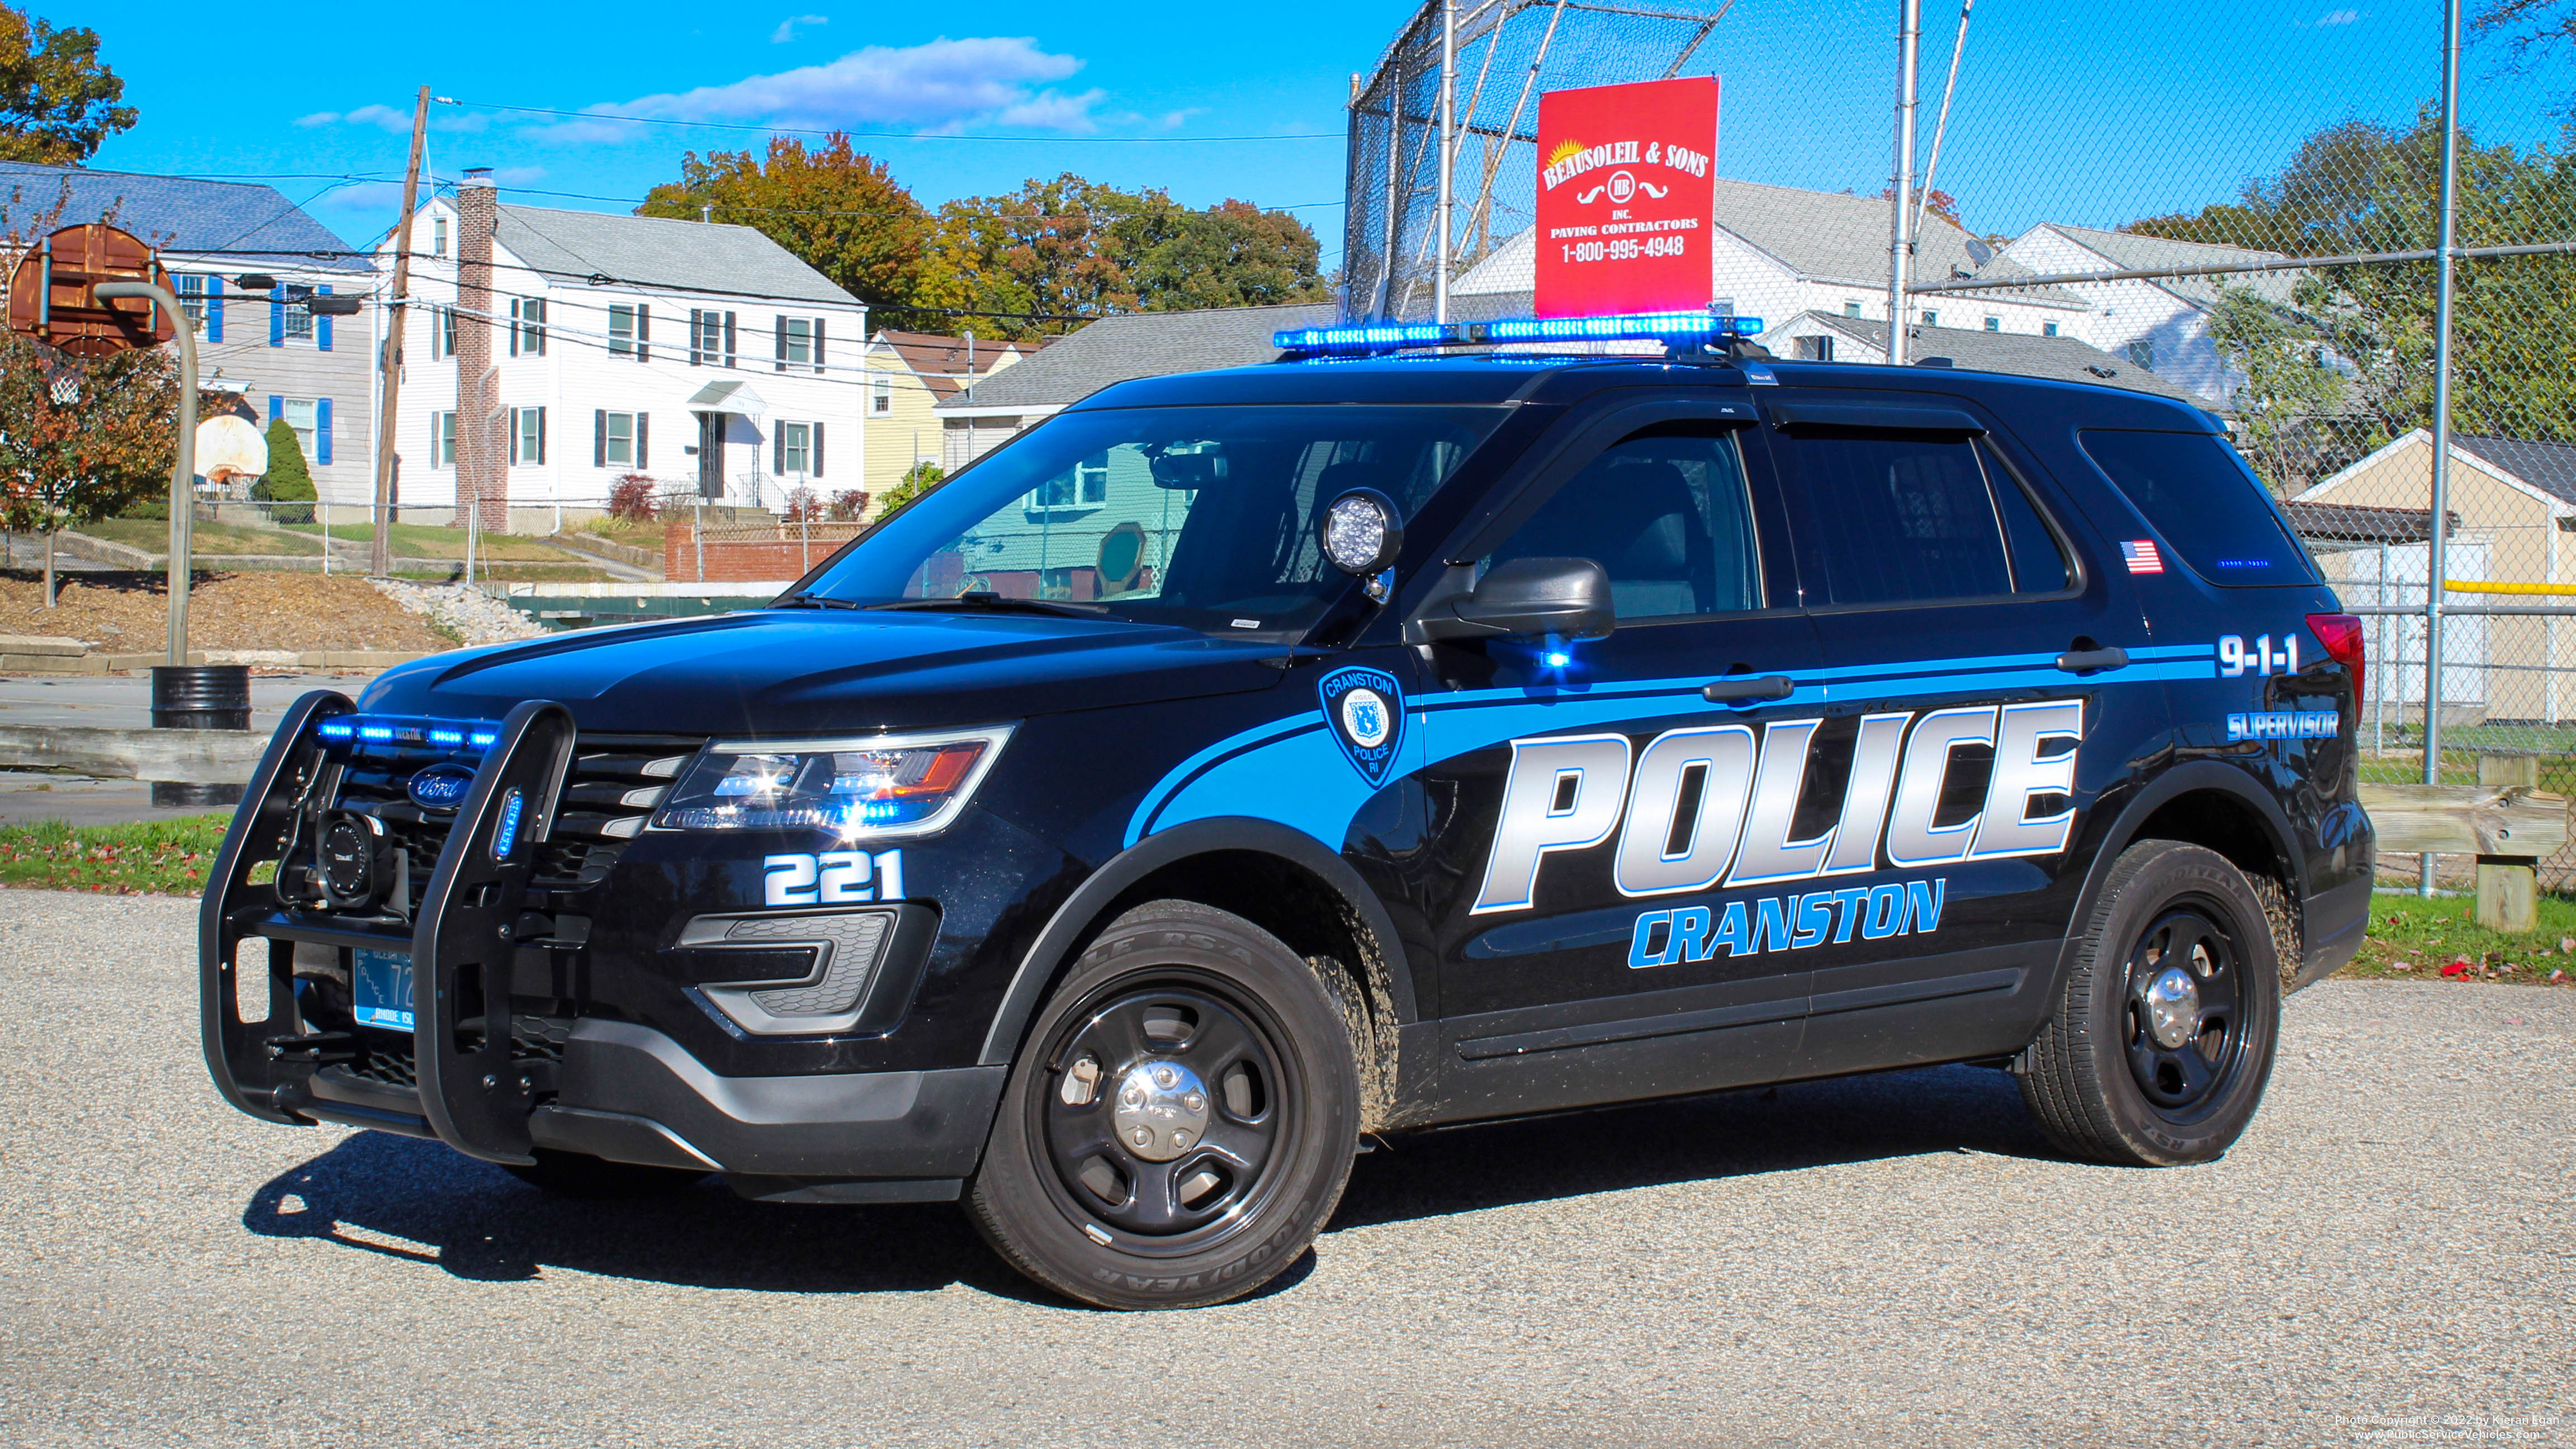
(1900, 250)
(2437, 548)
(380, 547)
(1448, 153)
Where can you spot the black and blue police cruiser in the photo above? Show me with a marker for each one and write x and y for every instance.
(1236, 765)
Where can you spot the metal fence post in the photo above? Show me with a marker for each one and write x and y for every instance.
(2437, 553)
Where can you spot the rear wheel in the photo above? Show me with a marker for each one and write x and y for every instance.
(1181, 1120)
(2163, 1040)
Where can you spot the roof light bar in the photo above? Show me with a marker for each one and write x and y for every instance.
(1670, 328)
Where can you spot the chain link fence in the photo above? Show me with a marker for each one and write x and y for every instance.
(2241, 205)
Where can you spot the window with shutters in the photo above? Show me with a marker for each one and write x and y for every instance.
(299, 415)
(795, 450)
(625, 332)
(527, 435)
(442, 333)
(528, 327)
(795, 342)
(192, 301)
(299, 314)
(711, 338)
(442, 440)
(617, 440)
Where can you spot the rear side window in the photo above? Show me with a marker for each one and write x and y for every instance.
(1891, 519)
(2206, 503)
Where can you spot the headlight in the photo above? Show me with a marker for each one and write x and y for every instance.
(866, 786)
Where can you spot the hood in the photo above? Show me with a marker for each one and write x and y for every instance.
(802, 671)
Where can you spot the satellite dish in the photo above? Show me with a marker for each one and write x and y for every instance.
(1979, 252)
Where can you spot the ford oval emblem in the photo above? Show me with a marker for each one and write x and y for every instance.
(441, 787)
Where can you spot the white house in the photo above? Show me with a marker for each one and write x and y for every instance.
(244, 261)
(697, 355)
(2161, 324)
(1776, 251)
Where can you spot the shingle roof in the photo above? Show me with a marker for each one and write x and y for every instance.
(1140, 344)
(2131, 252)
(2549, 467)
(657, 251)
(941, 361)
(1823, 236)
(174, 213)
(2058, 359)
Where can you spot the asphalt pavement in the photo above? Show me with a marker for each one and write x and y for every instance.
(1897, 1259)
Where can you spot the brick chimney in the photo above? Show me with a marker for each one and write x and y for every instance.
(482, 427)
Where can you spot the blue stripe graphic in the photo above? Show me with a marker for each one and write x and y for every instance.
(1290, 770)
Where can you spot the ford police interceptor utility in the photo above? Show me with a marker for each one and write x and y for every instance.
(1237, 764)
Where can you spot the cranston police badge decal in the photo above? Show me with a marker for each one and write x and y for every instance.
(1366, 710)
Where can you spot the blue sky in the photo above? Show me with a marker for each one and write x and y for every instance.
(2092, 111)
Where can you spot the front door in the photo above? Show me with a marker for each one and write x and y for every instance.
(711, 450)
(1609, 812)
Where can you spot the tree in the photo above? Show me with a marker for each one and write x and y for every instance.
(837, 209)
(288, 480)
(81, 440)
(920, 478)
(1071, 247)
(57, 100)
(2534, 30)
(2290, 386)
(2358, 187)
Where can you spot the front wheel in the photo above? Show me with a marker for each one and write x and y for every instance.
(2164, 1036)
(1181, 1120)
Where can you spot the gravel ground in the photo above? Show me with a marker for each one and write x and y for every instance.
(1894, 1259)
(473, 615)
(128, 613)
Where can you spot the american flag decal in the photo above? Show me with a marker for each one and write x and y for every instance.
(2142, 557)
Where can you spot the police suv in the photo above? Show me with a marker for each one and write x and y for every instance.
(1237, 765)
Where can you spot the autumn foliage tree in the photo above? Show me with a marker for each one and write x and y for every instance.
(838, 209)
(58, 101)
(81, 440)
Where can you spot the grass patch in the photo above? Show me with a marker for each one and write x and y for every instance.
(153, 536)
(152, 857)
(633, 535)
(2428, 935)
(421, 540)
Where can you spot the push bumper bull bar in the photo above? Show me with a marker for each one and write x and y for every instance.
(623, 1092)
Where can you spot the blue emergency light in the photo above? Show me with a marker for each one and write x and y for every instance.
(1674, 329)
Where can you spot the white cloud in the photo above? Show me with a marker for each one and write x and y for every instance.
(940, 85)
(2337, 17)
(385, 117)
(786, 30)
(318, 118)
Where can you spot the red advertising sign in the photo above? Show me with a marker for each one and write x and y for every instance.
(1624, 197)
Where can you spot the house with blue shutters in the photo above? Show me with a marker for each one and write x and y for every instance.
(245, 260)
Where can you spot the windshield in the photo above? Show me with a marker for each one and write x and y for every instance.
(1198, 516)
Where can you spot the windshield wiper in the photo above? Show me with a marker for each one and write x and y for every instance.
(996, 603)
(811, 600)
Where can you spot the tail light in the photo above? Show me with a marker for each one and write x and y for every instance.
(2342, 636)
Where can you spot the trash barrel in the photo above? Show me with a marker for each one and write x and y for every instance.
(199, 697)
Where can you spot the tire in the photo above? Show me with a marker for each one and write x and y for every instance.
(577, 1175)
(1204, 1033)
(2141, 1066)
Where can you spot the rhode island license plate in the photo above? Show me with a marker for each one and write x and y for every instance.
(382, 989)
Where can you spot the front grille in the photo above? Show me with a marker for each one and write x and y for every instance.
(385, 1059)
(609, 793)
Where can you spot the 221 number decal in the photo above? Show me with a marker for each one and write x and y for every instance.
(832, 878)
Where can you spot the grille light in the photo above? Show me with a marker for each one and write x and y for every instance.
(445, 736)
(1671, 328)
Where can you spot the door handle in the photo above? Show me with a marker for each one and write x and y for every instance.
(1747, 687)
(2076, 661)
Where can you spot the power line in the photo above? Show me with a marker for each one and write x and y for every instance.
(889, 135)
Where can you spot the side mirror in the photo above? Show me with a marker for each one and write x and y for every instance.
(1561, 598)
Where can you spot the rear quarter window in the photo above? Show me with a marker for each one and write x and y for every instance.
(2207, 505)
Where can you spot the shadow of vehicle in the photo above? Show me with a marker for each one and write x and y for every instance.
(423, 1202)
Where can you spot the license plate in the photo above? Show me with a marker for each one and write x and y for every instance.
(381, 988)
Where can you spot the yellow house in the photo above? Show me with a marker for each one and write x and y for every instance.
(909, 373)
(2513, 506)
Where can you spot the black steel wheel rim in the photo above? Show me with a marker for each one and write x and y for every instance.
(2183, 1013)
(1177, 1029)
